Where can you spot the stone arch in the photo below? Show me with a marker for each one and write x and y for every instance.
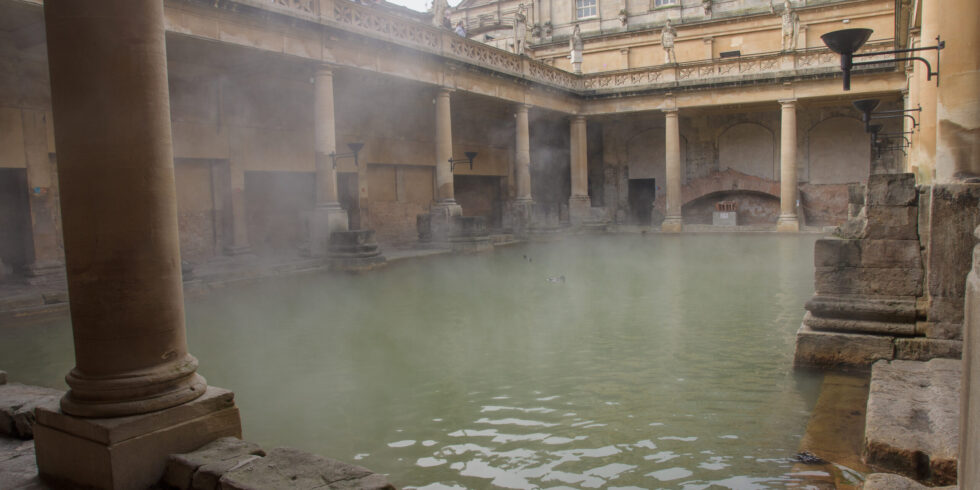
(748, 148)
(838, 151)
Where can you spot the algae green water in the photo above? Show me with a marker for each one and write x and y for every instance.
(659, 362)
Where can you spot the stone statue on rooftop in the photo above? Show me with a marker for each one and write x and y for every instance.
(576, 45)
(520, 29)
(439, 12)
(706, 5)
(791, 26)
(667, 36)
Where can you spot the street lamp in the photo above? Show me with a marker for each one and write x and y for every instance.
(846, 42)
(355, 148)
(470, 155)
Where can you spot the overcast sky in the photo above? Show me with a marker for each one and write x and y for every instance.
(420, 5)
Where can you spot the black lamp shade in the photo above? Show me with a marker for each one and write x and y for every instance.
(866, 106)
(470, 154)
(355, 147)
(846, 41)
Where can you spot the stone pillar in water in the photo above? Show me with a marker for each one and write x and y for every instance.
(673, 222)
(958, 107)
(523, 202)
(788, 220)
(134, 395)
(579, 204)
(327, 216)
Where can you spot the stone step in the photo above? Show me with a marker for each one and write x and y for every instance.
(838, 350)
(912, 426)
(889, 481)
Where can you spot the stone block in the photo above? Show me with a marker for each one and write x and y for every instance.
(900, 309)
(834, 350)
(292, 468)
(18, 469)
(3, 377)
(857, 326)
(890, 481)
(867, 281)
(892, 222)
(948, 331)
(837, 252)
(204, 467)
(17, 404)
(955, 214)
(912, 425)
(920, 349)
(891, 190)
(129, 452)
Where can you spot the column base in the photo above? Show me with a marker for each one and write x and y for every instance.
(324, 220)
(579, 209)
(124, 453)
(44, 273)
(672, 224)
(788, 224)
(522, 211)
(441, 219)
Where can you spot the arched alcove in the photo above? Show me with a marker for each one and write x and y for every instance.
(838, 151)
(748, 148)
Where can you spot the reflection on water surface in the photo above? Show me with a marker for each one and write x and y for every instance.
(661, 362)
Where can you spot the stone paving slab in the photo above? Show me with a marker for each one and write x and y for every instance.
(912, 426)
(18, 468)
(203, 468)
(295, 469)
(17, 404)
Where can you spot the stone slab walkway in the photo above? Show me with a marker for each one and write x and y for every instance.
(912, 425)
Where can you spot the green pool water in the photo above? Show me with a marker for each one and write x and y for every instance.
(659, 362)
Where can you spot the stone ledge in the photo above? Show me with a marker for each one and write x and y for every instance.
(924, 349)
(889, 481)
(899, 309)
(857, 326)
(840, 350)
(17, 404)
(912, 425)
(887, 281)
(292, 468)
(202, 469)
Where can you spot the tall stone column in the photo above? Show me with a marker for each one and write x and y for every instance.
(47, 261)
(673, 222)
(119, 211)
(327, 216)
(924, 153)
(579, 204)
(788, 219)
(958, 108)
(445, 208)
(523, 202)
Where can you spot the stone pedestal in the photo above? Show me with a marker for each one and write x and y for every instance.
(580, 210)
(439, 221)
(672, 224)
(469, 234)
(325, 220)
(521, 214)
(954, 214)
(867, 282)
(354, 251)
(129, 452)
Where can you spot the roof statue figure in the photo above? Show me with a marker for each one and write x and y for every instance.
(439, 12)
(791, 26)
(667, 36)
(706, 5)
(520, 29)
(576, 45)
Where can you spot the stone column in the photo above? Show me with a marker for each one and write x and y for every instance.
(958, 107)
(579, 204)
(239, 224)
(924, 153)
(523, 202)
(445, 207)
(673, 222)
(47, 262)
(788, 220)
(119, 211)
(327, 216)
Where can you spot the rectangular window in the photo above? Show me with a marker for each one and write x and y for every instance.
(585, 8)
(664, 3)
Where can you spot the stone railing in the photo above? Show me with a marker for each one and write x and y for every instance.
(718, 70)
(382, 24)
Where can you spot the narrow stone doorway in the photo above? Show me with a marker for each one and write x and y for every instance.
(641, 194)
(480, 196)
(348, 197)
(15, 218)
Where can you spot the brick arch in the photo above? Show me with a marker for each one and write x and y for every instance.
(727, 181)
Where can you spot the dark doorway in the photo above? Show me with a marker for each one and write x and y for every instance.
(15, 217)
(642, 192)
(348, 197)
(479, 196)
(275, 203)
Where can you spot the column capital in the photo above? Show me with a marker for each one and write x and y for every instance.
(323, 71)
(672, 112)
(576, 118)
(787, 102)
(445, 91)
(523, 106)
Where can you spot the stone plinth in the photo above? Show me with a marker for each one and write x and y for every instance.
(354, 251)
(913, 419)
(325, 220)
(129, 452)
(470, 235)
(955, 215)
(867, 281)
(522, 212)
